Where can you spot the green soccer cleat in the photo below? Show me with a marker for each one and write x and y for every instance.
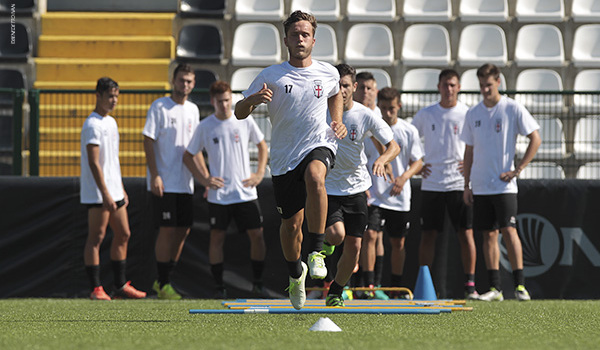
(493, 295)
(334, 301)
(297, 289)
(316, 265)
(521, 293)
(327, 249)
(167, 292)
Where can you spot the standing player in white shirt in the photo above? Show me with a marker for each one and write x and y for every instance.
(440, 125)
(490, 133)
(393, 199)
(170, 123)
(349, 180)
(102, 190)
(298, 94)
(230, 184)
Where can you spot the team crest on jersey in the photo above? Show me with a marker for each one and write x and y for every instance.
(236, 136)
(318, 88)
(498, 125)
(455, 129)
(353, 132)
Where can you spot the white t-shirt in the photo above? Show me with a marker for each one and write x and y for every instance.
(407, 137)
(350, 174)
(298, 110)
(493, 134)
(370, 150)
(171, 126)
(226, 144)
(101, 131)
(441, 127)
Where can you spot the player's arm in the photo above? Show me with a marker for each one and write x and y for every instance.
(256, 178)
(534, 143)
(336, 111)
(467, 164)
(197, 166)
(126, 196)
(93, 152)
(244, 107)
(413, 168)
(391, 151)
(156, 184)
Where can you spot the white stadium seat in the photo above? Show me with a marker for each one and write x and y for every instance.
(587, 134)
(586, 46)
(371, 10)
(325, 44)
(482, 43)
(426, 45)
(585, 10)
(539, 45)
(542, 170)
(256, 44)
(382, 78)
(259, 10)
(553, 145)
(540, 80)
(323, 10)
(587, 80)
(427, 10)
(420, 79)
(240, 81)
(369, 44)
(543, 11)
(589, 171)
(483, 11)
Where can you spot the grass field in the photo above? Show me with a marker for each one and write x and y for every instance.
(155, 324)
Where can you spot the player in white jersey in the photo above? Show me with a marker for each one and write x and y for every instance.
(231, 186)
(440, 125)
(102, 190)
(393, 199)
(349, 180)
(170, 123)
(298, 94)
(490, 133)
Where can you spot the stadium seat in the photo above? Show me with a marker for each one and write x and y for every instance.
(22, 7)
(420, 79)
(543, 11)
(259, 10)
(382, 78)
(10, 79)
(540, 80)
(17, 48)
(325, 44)
(482, 43)
(587, 80)
(483, 10)
(585, 141)
(369, 44)
(542, 170)
(202, 8)
(204, 77)
(585, 10)
(553, 145)
(200, 42)
(539, 45)
(241, 80)
(586, 46)
(426, 45)
(427, 11)
(470, 82)
(371, 10)
(256, 44)
(589, 171)
(323, 10)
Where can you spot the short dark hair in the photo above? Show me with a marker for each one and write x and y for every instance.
(298, 16)
(365, 76)
(488, 70)
(447, 74)
(388, 94)
(105, 84)
(219, 87)
(346, 69)
(182, 67)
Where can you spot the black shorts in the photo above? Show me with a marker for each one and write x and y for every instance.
(396, 223)
(247, 215)
(352, 210)
(99, 205)
(376, 220)
(290, 189)
(173, 209)
(492, 212)
(434, 206)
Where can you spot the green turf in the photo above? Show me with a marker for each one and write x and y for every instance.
(154, 324)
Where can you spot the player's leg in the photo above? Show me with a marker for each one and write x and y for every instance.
(484, 220)
(248, 216)
(433, 211)
(396, 226)
(368, 254)
(216, 258)
(97, 223)
(461, 217)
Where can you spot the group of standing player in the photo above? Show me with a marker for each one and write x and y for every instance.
(344, 166)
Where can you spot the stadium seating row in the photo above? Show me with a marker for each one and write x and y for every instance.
(549, 170)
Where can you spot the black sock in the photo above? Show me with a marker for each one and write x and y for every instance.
(217, 273)
(164, 271)
(315, 242)
(378, 269)
(119, 267)
(494, 276)
(470, 282)
(93, 273)
(335, 289)
(369, 277)
(257, 270)
(295, 268)
(396, 280)
(518, 278)
(329, 262)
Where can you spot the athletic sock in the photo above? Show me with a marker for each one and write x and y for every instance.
(257, 270)
(93, 273)
(470, 282)
(217, 273)
(164, 271)
(378, 270)
(494, 276)
(369, 278)
(295, 268)
(119, 267)
(518, 278)
(396, 280)
(315, 241)
(335, 288)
